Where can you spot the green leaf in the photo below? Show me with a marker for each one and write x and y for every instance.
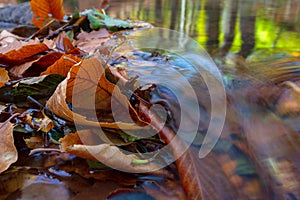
(98, 20)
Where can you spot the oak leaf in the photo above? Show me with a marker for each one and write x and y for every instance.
(43, 8)
(8, 151)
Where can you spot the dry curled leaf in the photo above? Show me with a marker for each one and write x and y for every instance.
(8, 151)
(107, 154)
(43, 8)
(57, 104)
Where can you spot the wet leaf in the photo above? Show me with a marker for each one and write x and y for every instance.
(105, 153)
(41, 123)
(3, 77)
(42, 8)
(8, 151)
(36, 87)
(99, 20)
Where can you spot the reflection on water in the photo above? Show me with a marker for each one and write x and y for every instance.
(238, 26)
(235, 25)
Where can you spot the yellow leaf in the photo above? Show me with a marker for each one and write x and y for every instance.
(42, 8)
(3, 77)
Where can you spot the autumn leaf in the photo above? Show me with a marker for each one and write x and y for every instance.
(36, 87)
(89, 42)
(57, 104)
(8, 151)
(62, 65)
(42, 8)
(17, 57)
(105, 153)
(3, 77)
(9, 41)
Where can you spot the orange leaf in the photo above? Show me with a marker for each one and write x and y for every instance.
(62, 65)
(8, 151)
(42, 8)
(17, 57)
(3, 77)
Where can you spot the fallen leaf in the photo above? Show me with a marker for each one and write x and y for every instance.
(36, 87)
(17, 57)
(8, 151)
(18, 70)
(57, 104)
(289, 101)
(106, 154)
(101, 33)
(9, 41)
(43, 122)
(42, 8)
(42, 64)
(63, 65)
(3, 77)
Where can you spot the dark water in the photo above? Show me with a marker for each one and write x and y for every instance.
(221, 26)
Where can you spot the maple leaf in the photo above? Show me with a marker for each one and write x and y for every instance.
(42, 8)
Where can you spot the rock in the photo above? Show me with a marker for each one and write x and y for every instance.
(20, 14)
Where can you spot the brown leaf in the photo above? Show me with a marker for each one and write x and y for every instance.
(3, 77)
(43, 122)
(289, 101)
(9, 41)
(63, 65)
(8, 151)
(42, 64)
(21, 69)
(94, 92)
(89, 42)
(57, 104)
(106, 154)
(42, 8)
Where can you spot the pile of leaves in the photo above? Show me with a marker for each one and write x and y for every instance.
(49, 126)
